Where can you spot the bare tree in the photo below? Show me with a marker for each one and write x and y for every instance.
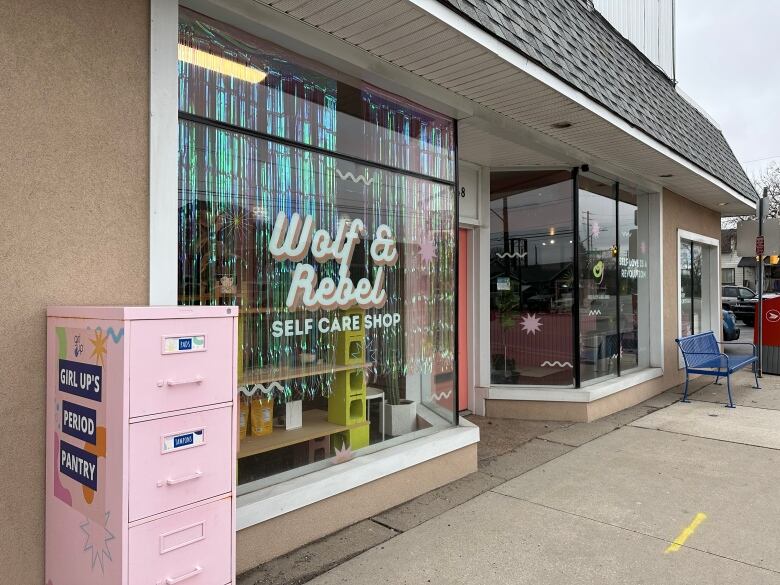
(769, 178)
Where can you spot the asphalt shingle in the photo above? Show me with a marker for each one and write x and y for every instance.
(596, 59)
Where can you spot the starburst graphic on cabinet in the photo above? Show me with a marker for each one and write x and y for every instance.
(530, 323)
(99, 349)
(96, 541)
(427, 249)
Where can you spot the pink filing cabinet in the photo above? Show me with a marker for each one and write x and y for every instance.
(141, 435)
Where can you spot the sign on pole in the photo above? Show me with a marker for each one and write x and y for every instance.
(759, 245)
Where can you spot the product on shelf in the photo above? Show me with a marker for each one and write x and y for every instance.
(261, 416)
(243, 417)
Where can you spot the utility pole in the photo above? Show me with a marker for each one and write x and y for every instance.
(760, 316)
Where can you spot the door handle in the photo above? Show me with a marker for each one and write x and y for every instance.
(196, 380)
(173, 580)
(182, 479)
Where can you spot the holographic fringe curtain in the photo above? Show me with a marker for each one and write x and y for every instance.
(232, 186)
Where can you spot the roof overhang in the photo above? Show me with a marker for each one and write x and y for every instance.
(507, 105)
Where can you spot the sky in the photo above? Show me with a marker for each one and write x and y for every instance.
(728, 61)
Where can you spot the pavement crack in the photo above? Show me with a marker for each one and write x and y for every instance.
(638, 532)
(681, 434)
(393, 528)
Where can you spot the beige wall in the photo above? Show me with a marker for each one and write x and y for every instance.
(74, 189)
(270, 539)
(678, 213)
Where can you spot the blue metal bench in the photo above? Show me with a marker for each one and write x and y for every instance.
(702, 355)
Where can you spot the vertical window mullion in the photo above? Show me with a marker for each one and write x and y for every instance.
(575, 311)
(617, 275)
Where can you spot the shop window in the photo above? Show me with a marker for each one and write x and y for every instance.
(569, 296)
(326, 212)
(696, 290)
(531, 278)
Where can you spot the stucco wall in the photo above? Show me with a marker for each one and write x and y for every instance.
(74, 192)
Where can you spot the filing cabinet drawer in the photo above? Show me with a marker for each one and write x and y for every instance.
(179, 460)
(192, 547)
(180, 363)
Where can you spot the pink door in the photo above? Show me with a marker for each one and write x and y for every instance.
(463, 319)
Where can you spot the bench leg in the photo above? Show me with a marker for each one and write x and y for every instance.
(755, 373)
(728, 387)
(685, 393)
(717, 380)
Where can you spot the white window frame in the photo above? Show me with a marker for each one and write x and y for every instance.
(713, 282)
(261, 505)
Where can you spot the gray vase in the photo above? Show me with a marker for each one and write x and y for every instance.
(401, 419)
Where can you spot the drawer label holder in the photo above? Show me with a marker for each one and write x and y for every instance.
(183, 440)
(183, 343)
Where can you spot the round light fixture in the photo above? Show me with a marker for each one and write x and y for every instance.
(666, 176)
(561, 125)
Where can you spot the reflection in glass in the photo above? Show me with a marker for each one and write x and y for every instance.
(694, 307)
(265, 134)
(232, 188)
(634, 307)
(305, 102)
(597, 249)
(531, 278)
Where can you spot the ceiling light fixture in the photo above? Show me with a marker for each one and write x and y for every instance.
(221, 65)
(561, 125)
(665, 176)
(723, 203)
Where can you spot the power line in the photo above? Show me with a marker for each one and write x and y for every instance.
(744, 162)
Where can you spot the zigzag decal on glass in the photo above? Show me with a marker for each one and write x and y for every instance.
(267, 390)
(441, 395)
(555, 364)
(359, 179)
(512, 255)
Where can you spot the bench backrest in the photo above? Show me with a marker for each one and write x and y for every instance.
(698, 349)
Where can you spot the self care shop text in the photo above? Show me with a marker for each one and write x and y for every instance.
(293, 239)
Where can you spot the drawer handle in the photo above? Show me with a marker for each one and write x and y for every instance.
(179, 480)
(195, 380)
(173, 580)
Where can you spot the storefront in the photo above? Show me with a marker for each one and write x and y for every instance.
(415, 212)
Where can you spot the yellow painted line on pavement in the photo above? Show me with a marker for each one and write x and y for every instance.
(686, 533)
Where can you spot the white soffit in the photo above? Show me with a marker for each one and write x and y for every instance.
(424, 38)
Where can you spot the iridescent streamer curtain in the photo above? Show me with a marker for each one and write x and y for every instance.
(263, 131)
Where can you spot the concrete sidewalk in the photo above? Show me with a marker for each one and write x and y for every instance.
(597, 503)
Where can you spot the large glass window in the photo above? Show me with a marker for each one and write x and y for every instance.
(694, 292)
(542, 308)
(598, 282)
(335, 235)
(633, 283)
(531, 279)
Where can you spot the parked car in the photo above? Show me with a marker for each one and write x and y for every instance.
(730, 330)
(742, 301)
(738, 300)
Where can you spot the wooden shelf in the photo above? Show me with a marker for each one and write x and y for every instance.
(265, 375)
(315, 425)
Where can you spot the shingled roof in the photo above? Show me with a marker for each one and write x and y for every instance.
(577, 44)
